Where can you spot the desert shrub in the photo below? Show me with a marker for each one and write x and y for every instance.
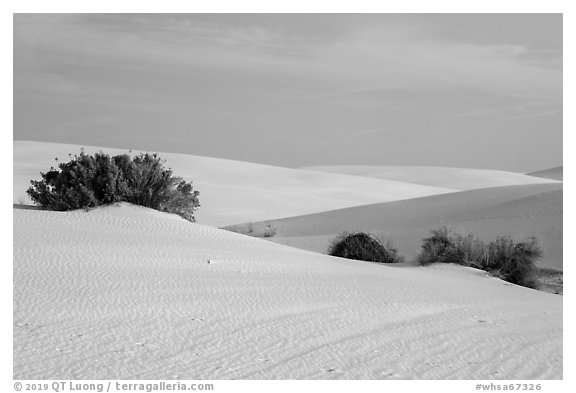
(515, 262)
(440, 247)
(474, 251)
(92, 180)
(250, 227)
(364, 247)
(269, 231)
(510, 260)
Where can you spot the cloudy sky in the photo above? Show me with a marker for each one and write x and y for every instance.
(478, 90)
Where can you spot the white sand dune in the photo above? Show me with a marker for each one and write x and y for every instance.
(234, 192)
(126, 292)
(518, 211)
(556, 173)
(453, 178)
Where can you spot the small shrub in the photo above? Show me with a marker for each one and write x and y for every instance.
(269, 231)
(515, 262)
(474, 251)
(88, 181)
(250, 227)
(512, 261)
(364, 247)
(440, 247)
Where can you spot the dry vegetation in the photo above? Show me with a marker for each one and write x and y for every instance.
(88, 181)
(504, 257)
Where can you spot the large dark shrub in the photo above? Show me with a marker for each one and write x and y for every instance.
(510, 260)
(93, 180)
(364, 247)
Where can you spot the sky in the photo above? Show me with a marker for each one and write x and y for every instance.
(461, 90)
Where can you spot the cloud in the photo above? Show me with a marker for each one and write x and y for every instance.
(295, 80)
(481, 112)
(392, 57)
(530, 115)
(373, 57)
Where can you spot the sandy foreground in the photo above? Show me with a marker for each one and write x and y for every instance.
(127, 292)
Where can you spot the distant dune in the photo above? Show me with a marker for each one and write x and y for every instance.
(232, 191)
(125, 292)
(453, 178)
(552, 173)
(520, 211)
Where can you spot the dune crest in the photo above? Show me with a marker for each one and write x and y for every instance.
(454, 178)
(232, 192)
(556, 173)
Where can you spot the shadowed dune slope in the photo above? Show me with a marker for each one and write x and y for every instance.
(455, 178)
(233, 191)
(124, 292)
(519, 211)
(556, 173)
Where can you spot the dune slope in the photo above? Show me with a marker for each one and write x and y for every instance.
(519, 211)
(454, 178)
(556, 173)
(232, 191)
(126, 292)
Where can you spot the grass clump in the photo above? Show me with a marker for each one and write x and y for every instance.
(88, 181)
(515, 261)
(504, 257)
(363, 247)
